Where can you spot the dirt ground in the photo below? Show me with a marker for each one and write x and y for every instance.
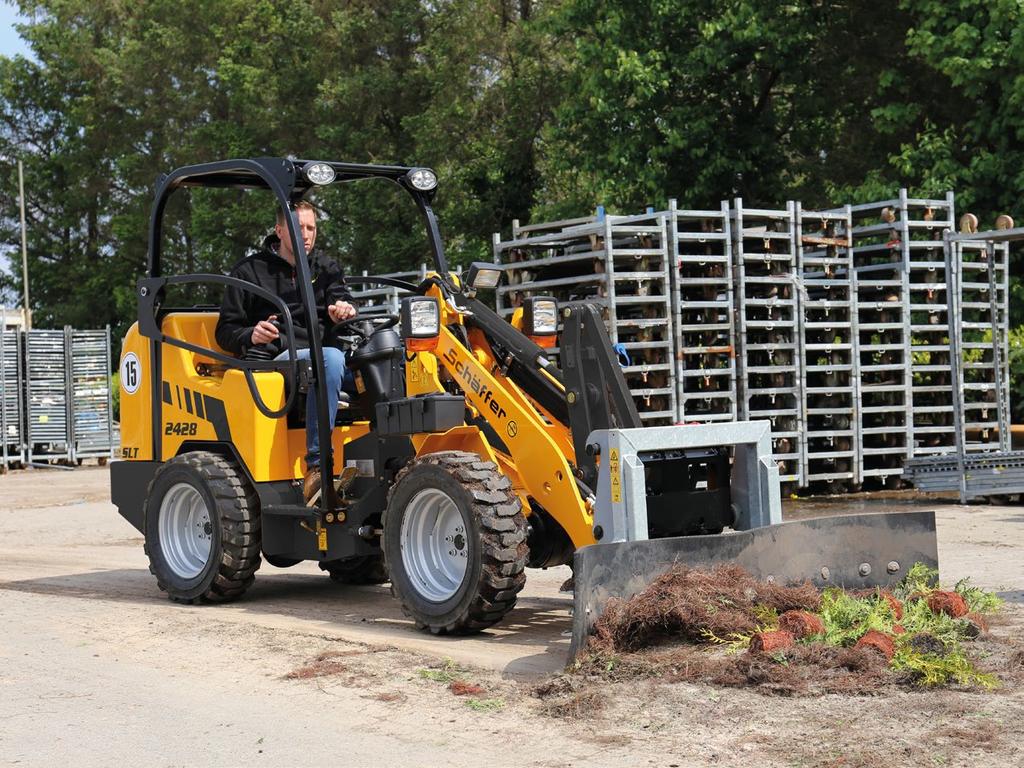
(98, 668)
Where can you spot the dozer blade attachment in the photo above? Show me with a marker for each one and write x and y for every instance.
(855, 551)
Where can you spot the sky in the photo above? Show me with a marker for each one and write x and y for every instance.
(11, 43)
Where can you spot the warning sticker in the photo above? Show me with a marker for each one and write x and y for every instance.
(613, 470)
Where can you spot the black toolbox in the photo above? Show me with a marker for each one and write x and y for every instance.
(426, 413)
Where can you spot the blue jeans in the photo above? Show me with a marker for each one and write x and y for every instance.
(334, 363)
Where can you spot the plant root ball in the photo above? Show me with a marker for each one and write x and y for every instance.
(464, 688)
(896, 605)
(768, 642)
(976, 625)
(924, 643)
(801, 624)
(949, 603)
(879, 641)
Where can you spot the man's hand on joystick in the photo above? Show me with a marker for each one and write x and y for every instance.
(266, 331)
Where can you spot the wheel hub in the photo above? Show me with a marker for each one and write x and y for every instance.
(186, 530)
(435, 549)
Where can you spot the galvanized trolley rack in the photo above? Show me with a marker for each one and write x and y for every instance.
(829, 349)
(700, 245)
(92, 413)
(883, 329)
(46, 392)
(374, 295)
(12, 416)
(980, 295)
(923, 223)
(768, 362)
(981, 464)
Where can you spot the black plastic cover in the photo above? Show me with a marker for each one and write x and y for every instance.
(427, 413)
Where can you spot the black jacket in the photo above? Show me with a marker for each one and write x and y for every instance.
(241, 310)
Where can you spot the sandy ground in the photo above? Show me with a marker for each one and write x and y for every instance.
(98, 668)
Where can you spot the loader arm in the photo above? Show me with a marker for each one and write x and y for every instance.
(541, 463)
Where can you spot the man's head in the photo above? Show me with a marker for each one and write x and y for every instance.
(306, 214)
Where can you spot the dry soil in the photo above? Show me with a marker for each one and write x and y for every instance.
(98, 668)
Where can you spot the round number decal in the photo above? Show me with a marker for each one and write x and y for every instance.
(131, 373)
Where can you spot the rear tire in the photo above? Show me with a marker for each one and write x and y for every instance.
(367, 569)
(202, 527)
(454, 542)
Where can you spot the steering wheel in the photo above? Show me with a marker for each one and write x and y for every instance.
(376, 322)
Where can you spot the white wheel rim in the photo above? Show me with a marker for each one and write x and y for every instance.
(186, 532)
(435, 548)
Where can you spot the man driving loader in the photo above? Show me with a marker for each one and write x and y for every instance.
(248, 325)
(450, 512)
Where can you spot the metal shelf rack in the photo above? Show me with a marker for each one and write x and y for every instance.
(700, 243)
(369, 295)
(92, 413)
(48, 406)
(768, 362)
(883, 346)
(12, 415)
(922, 223)
(828, 349)
(979, 272)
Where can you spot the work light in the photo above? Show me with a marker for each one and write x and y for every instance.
(421, 322)
(540, 319)
(482, 274)
(319, 173)
(422, 179)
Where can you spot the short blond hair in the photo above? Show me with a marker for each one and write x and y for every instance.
(299, 206)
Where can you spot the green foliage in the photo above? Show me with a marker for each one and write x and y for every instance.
(978, 600)
(919, 579)
(115, 394)
(486, 705)
(734, 642)
(448, 672)
(918, 618)
(1017, 366)
(931, 669)
(847, 618)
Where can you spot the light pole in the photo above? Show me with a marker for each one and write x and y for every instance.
(24, 245)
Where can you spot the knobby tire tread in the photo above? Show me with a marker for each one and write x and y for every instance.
(237, 508)
(503, 532)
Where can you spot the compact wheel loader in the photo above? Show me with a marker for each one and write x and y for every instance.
(466, 455)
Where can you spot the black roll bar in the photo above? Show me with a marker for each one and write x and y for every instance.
(285, 179)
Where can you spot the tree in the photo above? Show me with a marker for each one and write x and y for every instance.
(526, 108)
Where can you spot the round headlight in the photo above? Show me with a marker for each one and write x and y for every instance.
(319, 173)
(423, 179)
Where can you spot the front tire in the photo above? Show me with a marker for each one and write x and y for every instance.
(455, 542)
(202, 529)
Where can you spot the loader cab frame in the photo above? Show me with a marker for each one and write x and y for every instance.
(288, 180)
